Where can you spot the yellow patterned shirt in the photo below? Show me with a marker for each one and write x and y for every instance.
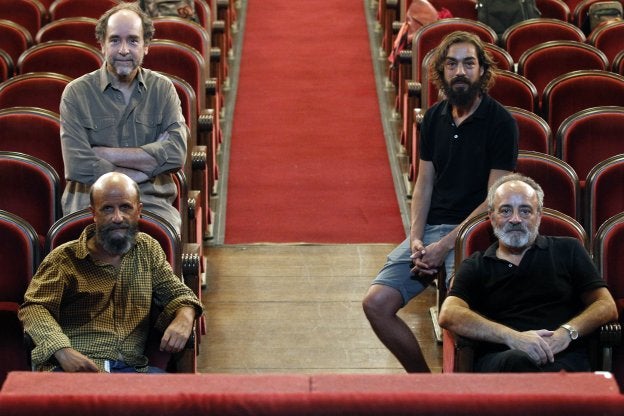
(98, 309)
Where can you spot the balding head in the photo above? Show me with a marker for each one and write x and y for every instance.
(112, 182)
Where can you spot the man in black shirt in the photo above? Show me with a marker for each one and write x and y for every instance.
(467, 141)
(529, 298)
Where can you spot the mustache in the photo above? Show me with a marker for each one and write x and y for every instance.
(109, 227)
(460, 78)
(515, 227)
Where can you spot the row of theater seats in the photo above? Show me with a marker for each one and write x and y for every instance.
(193, 55)
(565, 88)
(392, 11)
(43, 49)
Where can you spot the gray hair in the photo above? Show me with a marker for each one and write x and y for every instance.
(515, 177)
(146, 22)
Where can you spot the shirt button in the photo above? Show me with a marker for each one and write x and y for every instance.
(455, 136)
(510, 265)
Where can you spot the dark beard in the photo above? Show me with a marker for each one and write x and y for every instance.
(461, 97)
(114, 244)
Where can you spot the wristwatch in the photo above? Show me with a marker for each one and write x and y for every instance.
(571, 331)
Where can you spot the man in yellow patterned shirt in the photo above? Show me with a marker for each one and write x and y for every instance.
(88, 306)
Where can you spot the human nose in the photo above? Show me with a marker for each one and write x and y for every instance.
(123, 48)
(460, 69)
(117, 216)
(515, 217)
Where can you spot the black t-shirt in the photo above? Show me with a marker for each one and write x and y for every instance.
(542, 292)
(463, 156)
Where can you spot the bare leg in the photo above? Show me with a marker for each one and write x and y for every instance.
(381, 305)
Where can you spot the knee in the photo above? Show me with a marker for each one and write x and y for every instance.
(381, 302)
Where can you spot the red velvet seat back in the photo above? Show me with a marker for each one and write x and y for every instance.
(534, 132)
(14, 39)
(41, 139)
(181, 60)
(511, 89)
(81, 29)
(591, 136)
(604, 195)
(524, 35)
(75, 8)
(68, 57)
(558, 180)
(27, 13)
(34, 89)
(20, 257)
(579, 90)
(609, 39)
(546, 61)
(184, 31)
(29, 188)
(553, 9)
(608, 254)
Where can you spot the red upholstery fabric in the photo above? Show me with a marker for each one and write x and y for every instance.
(608, 254)
(70, 28)
(558, 180)
(41, 139)
(27, 13)
(276, 394)
(553, 9)
(29, 188)
(68, 57)
(19, 259)
(578, 90)
(526, 34)
(604, 195)
(14, 38)
(591, 136)
(75, 8)
(544, 62)
(534, 132)
(34, 89)
(514, 90)
(618, 63)
(609, 38)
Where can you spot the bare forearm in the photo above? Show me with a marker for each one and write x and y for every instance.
(469, 324)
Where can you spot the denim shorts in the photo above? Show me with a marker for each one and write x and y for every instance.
(396, 273)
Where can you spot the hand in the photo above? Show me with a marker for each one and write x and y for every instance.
(179, 330)
(428, 260)
(534, 344)
(419, 266)
(559, 340)
(72, 361)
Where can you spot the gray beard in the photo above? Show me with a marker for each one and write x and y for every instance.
(514, 239)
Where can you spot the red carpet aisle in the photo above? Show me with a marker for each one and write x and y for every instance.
(308, 161)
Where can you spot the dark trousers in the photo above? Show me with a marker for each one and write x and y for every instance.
(514, 361)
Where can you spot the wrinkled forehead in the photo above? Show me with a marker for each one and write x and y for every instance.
(515, 193)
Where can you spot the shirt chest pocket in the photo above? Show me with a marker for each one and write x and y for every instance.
(147, 128)
(102, 131)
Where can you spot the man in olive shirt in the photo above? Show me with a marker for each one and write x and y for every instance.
(123, 118)
(88, 306)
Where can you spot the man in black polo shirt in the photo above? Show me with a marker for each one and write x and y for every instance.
(467, 141)
(529, 298)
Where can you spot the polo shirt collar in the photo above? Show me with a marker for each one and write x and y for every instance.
(540, 242)
(480, 112)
